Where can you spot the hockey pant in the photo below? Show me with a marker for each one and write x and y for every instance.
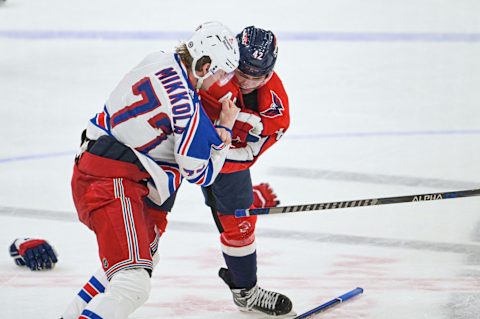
(109, 196)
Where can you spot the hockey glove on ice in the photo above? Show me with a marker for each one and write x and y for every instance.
(263, 196)
(36, 254)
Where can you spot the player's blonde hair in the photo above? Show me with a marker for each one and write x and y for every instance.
(185, 56)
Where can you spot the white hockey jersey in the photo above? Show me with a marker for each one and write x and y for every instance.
(157, 113)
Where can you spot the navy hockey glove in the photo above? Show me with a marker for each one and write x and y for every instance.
(36, 254)
(263, 196)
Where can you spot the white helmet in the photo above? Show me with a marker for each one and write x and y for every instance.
(216, 41)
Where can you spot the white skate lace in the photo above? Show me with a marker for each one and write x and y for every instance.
(262, 298)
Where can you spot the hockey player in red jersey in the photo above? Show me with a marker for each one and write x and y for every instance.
(151, 134)
(260, 94)
(263, 119)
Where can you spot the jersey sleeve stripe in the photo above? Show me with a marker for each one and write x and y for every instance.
(191, 130)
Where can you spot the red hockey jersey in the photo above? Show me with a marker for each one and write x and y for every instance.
(271, 107)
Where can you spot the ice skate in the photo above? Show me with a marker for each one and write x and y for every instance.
(259, 300)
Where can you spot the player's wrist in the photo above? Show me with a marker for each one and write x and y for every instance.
(225, 128)
(227, 124)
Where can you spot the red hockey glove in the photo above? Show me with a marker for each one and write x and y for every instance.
(36, 254)
(247, 128)
(263, 196)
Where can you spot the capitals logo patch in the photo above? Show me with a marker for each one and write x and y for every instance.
(276, 107)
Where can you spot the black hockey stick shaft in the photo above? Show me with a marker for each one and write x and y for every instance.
(356, 203)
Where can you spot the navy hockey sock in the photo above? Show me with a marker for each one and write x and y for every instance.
(243, 270)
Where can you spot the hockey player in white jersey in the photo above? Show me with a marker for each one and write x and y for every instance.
(151, 134)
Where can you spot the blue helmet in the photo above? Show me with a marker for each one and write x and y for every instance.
(258, 51)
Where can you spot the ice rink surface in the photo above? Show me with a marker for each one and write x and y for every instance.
(384, 99)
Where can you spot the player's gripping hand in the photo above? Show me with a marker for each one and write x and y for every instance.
(247, 128)
(224, 133)
(263, 196)
(36, 254)
(229, 114)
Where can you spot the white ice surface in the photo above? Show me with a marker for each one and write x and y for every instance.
(370, 118)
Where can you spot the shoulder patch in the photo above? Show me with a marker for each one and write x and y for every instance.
(276, 108)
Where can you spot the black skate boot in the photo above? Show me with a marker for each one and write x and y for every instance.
(258, 299)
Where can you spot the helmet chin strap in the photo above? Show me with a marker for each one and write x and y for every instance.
(200, 79)
(199, 83)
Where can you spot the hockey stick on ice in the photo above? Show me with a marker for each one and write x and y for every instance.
(330, 304)
(356, 203)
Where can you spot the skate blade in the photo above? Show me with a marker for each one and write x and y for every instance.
(291, 314)
(261, 315)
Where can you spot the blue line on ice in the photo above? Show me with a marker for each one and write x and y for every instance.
(322, 36)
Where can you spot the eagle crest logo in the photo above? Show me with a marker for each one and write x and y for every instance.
(276, 108)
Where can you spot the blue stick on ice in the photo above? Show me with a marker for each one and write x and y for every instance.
(331, 303)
